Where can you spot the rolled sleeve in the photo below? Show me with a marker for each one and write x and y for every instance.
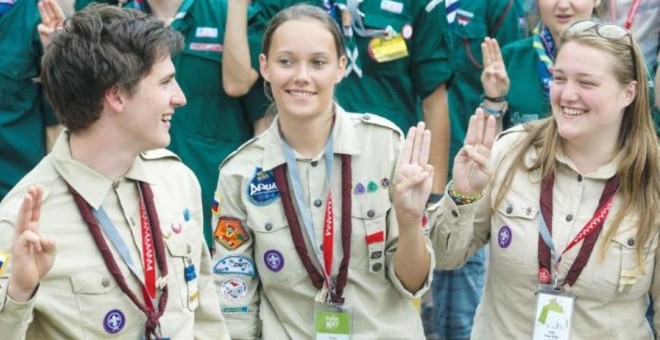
(396, 282)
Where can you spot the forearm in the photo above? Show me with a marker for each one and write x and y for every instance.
(412, 258)
(238, 76)
(436, 116)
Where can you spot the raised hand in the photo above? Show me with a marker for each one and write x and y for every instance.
(470, 173)
(52, 19)
(32, 255)
(414, 178)
(494, 77)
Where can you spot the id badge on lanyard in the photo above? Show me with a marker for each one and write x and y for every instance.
(384, 49)
(554, 313)
(333, 321)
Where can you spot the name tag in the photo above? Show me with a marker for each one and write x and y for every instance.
(332, 321)
(391, 6)
(554, 312)
(385, 49)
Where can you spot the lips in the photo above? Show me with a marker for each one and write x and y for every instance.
(573, 111)
(301, 93)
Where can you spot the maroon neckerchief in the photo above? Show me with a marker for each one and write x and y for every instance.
(296, 232)
(544, 255)
(110, 263)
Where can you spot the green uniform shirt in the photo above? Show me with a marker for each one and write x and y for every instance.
(392, 89)
(499, 19)
(24, 112)
(80, 4)
(212, 124)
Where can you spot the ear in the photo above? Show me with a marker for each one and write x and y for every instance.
(115, 99)
(341, 70)
(263, 66)
(629, 93)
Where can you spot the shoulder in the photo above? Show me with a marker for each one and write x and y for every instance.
(518, 47)
(160, 155)
(44, 175)
(374, 122)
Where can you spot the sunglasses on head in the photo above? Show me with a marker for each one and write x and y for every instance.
(607, 31)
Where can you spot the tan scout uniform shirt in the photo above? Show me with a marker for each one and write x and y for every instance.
(284, 297)
(75, 297)
(611, 292)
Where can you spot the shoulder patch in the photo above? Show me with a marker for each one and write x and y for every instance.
(159, 154)
(243, 146)
(372, 119)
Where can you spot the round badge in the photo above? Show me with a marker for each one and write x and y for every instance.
(176, 227)
(385, 183)
(406, 31)
(114, 321)
(274, 260)
(504, 237)
(234, 289)
(544, 276)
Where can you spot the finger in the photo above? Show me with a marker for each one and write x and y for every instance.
(490, 133)
(471, 136)
(405, 184)
(24, 214)
(426, 148)
(29, 240)
(56, 9)
(485, 53)
(496, 52)
(479, 157)
(48, 245)
(406, 153)
(37, 197)
(45, 12)
(479, 133)
(417, 145)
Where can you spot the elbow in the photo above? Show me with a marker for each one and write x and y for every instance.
(233, 89)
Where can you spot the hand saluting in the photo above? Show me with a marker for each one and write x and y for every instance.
(32, 254)
(470, 173)
(414, 177)
(52, 19)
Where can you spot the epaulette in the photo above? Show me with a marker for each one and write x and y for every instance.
(159, 154)
(516, 129)
(373, 119)
(243, 146)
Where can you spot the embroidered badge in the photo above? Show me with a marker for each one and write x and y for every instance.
(504, 237)
(206, 47)
(274, 260)
(234, 289)
(186, 214)
(385, 183)
(463, 17)
(234, 265)
(262, 190)
(391, 6)
(407, 31)
(376, 237)
(359, 189)
(176, 227)
(230, 232)
(114, 321)
(4, 258)
(235, 310)
(206, 32)
(372, 187)
(216, 207)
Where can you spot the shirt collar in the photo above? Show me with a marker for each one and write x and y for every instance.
(606, 171)
(345, 140)
(89, 183)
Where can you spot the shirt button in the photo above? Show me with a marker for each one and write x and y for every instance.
(315, 163)
(569, 218)
(377, 267)
(115, 185)
(631, 242)
(371, 213)
(454, 213)
(268, 226)
(579, 178)
(366, 117)
(318, 202)
(105, 282)
(509, 210)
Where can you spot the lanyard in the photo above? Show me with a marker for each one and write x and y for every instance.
(545, 49)
(548, 257)
(328, 221)
(631, 14)
(148, 213)
(317, 278)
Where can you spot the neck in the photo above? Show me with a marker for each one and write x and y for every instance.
(307, 137)
(164, 10)
(101, 152)
(589, 156)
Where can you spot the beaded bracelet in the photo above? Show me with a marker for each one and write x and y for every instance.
(461, 199)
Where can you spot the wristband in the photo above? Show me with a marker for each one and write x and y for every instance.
(495, 113)
(461, 199)
(500, 99)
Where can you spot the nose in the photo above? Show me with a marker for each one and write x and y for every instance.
(569, 92)
(178, 98)
(564, 4)
(302, 73)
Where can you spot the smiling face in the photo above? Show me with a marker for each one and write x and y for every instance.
(302, 74)
(559, 14)
(587, 99)
(147, 113)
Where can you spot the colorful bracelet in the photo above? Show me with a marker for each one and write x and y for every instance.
(461, 199)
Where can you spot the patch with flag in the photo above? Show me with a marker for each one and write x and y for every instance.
(216, 207)
(230, 232)
(4, 259)
(463, 17)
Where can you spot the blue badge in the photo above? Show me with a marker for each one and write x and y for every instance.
(235, 310)
(359, 189)
(186, 214)
(234, 265)
(114, 321)
(504, 237)
(274, 260)
(262, 190)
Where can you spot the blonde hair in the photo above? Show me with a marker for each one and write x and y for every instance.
(637, 170)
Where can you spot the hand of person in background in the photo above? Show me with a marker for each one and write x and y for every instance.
(470, 173)
(52, 19)
(32, 254)
(414, 177)
(494, 77)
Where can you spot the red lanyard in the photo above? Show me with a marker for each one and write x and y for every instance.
(631, 14)
(148, 257)
(328, 237)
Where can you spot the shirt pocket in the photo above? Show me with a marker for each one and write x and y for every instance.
(630, 279)
(105, 310)
(514, 236)
(467, 45)
(181, 252)
(369, 235)
(16, 85)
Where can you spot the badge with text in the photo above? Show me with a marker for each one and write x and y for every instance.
(262, 190)
(230, 232)
(332, 321)
(554, 311)
(234, 265)
(384, 49)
